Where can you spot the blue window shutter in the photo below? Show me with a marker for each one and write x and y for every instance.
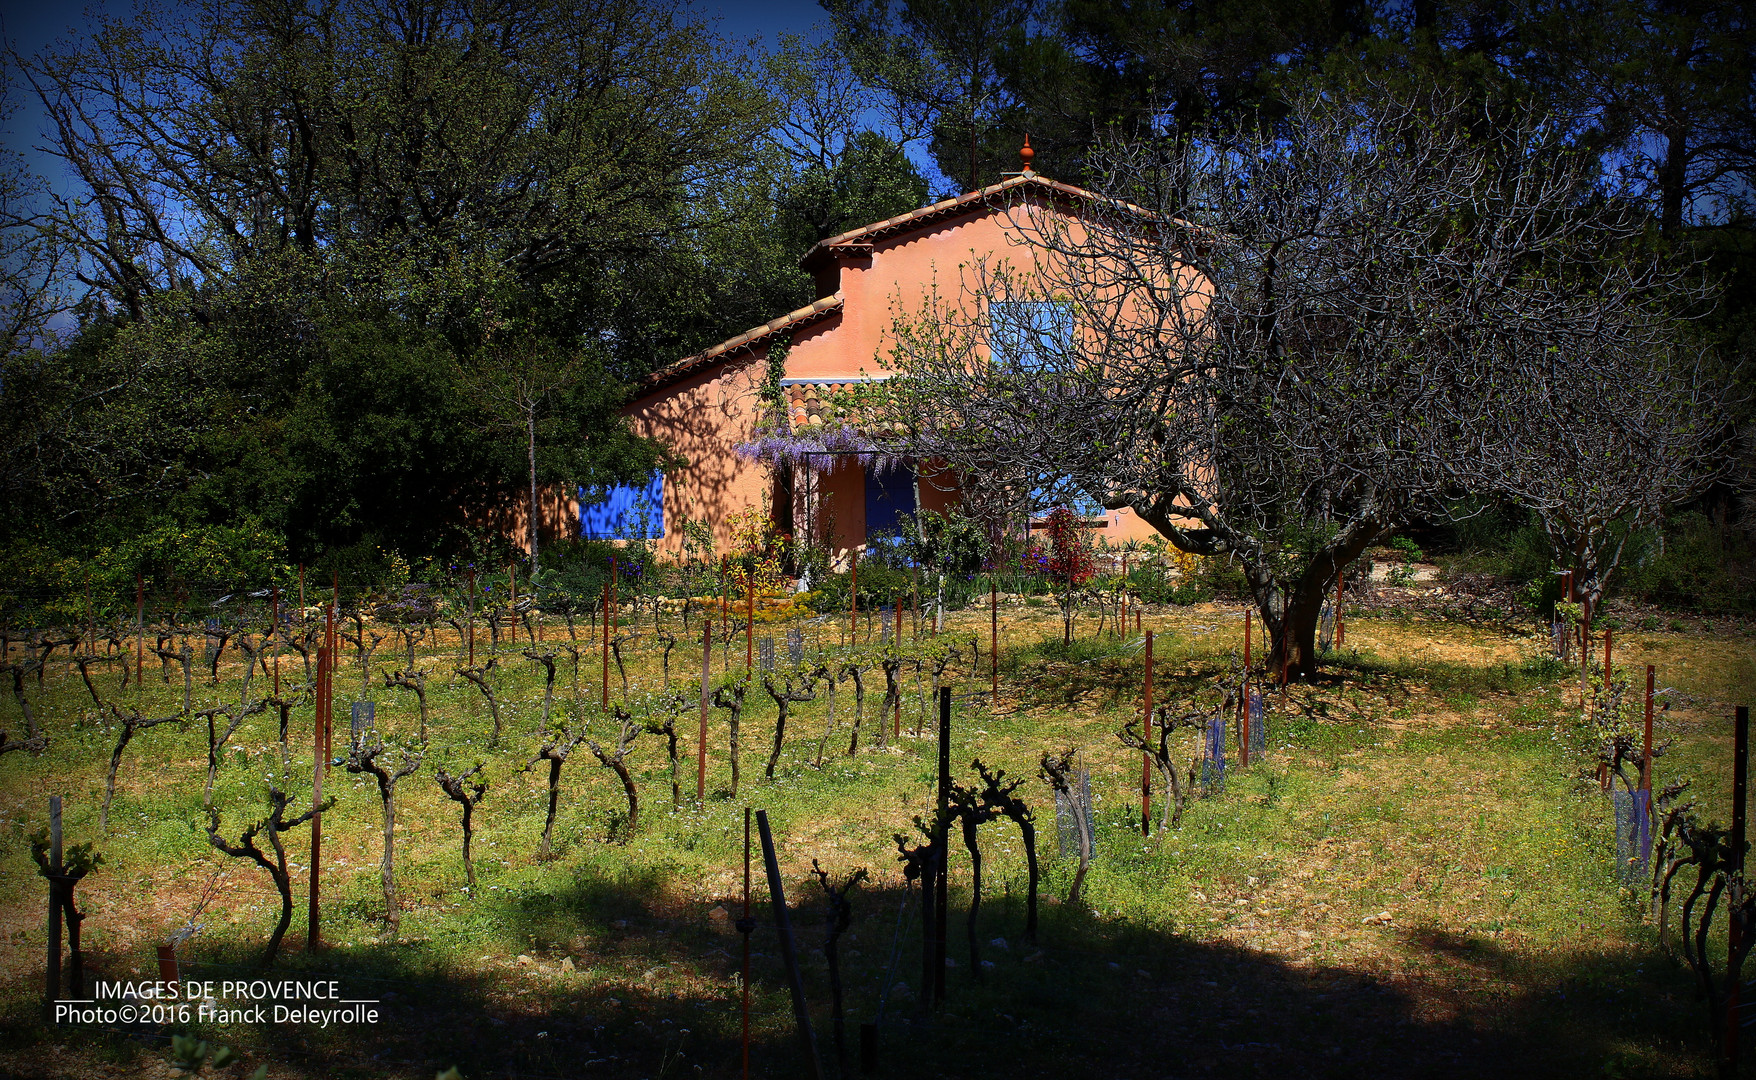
(889, 495)
(616, 514)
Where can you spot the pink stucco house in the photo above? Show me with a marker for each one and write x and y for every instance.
(704, 407)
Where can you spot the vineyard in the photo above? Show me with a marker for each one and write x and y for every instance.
(522, 850)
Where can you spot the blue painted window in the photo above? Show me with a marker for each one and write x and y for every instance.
(889, 495)
(619, 511)
(1030, 335)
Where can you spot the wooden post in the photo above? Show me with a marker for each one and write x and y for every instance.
(274, 628)
(853, 597)
(333, 615)
(1606, 659)
(896, 728)
(749, 624)
(1740, 793)
(168, 963)
(512, 586)
(471, 615)
(745, 926)
(942, 843)
(1646, 744)
(993, 639)
(605, 604)
(1244, 721)
(1247, 621)
(52, 973)
(140, 633)
(1146, 757)
(324, 660)
(777, 896)
(701, 745)
(320, 740)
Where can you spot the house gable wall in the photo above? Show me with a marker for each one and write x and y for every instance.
(705, 416)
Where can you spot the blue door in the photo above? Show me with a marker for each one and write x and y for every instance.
(889, 495)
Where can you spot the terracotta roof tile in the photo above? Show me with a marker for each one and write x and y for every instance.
(859, 238)
(689, 365)
(812, 402)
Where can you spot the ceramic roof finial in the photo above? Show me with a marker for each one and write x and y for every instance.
(1026, 152)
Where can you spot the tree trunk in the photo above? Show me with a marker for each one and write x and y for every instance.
(283, 884)
(975, 891)
(629, 790)
(732, 722)
(531, 432)
(110, 779)
(554, 799)
(782, 707)
(1672, 179)
(469, 868)
(1293, 631)
(387, 870)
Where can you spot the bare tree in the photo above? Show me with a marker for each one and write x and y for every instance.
(1159, 752)
(546, 660)
(673, 704)
(840, 916)
(730, 697)
(1061, 774)
(217, 738)
(417, 683)
(616, 760)
(34, 741)
(467, 795)
(973, 812)
(794, 688)
(1277, 345)
(830, 680)
(365, 642)
(854, 671)
(129, 723)
(272, 825)
(479, 676)
(558, 745)
(1600, 468)
(525, 386)
(363, 757)
(999, 795)
(183, 655)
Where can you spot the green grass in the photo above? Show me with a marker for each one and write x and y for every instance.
(1440, 789)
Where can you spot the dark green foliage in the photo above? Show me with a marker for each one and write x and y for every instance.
(1212, 579)
(880, 583)
(1693, 563)
(1704, 566)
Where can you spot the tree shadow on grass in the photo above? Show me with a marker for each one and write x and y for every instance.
(653, 993)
